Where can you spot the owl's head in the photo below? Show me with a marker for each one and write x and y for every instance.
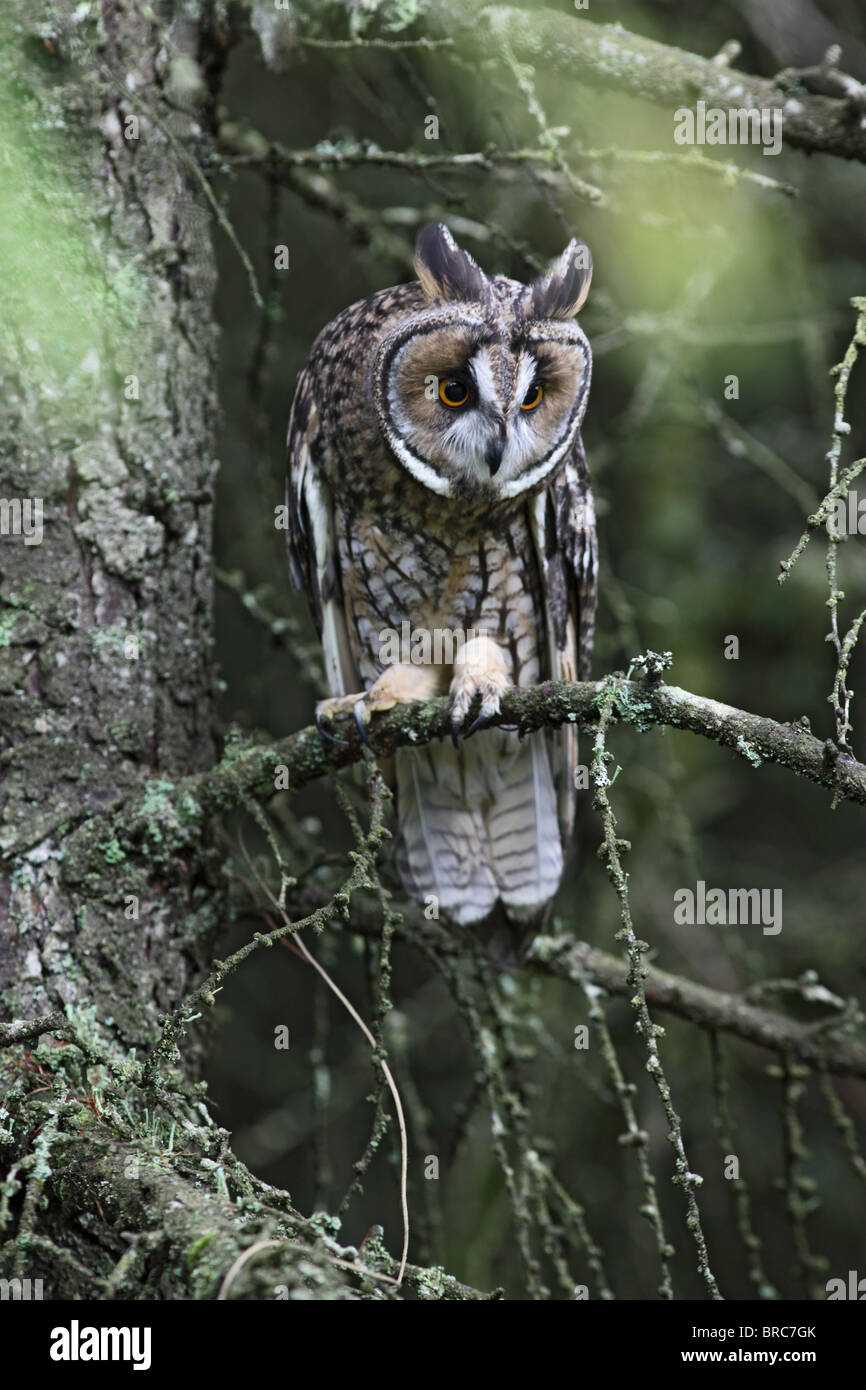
(481, 392)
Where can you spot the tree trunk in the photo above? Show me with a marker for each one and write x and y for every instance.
(105, 669)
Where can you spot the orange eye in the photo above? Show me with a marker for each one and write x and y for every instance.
(453, 391)
(533, 396)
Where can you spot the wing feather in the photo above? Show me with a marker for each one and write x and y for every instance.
(563, 527)
(312, 541)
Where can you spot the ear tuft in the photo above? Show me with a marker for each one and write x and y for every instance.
(561, 292)
(445, 271)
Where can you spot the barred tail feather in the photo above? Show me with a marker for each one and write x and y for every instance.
(525, 847)
(479, 825)
(441, 844)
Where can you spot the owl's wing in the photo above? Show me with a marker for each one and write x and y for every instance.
(563, 527)
(312, 539)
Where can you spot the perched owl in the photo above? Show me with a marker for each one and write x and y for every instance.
(442, 526)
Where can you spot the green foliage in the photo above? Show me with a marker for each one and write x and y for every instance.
(66, 309)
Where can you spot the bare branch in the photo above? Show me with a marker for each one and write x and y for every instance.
(567, 957)
(608, 56)
(824, 1044)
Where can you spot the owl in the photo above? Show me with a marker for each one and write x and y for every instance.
(441, 524)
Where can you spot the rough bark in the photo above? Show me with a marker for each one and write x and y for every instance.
(106, 681)
(105, 667)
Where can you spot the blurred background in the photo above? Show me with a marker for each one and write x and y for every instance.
(698, 277)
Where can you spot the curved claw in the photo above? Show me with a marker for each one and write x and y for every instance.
(362, 727)
(480, 723)
(483, 721)
(332, 738)
(455, 736)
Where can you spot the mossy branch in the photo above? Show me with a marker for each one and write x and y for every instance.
(175, 818)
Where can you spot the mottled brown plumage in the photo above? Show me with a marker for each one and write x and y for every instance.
(469, 520)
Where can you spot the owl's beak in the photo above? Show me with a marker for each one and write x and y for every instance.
(493, 452)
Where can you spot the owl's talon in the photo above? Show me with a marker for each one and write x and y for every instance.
(480, 675)
(483, 722)
(318, 720)
(480, 723)
(362, 725)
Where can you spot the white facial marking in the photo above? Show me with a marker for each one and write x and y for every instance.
(527, 372)
(421, 471)
(467, 434)
(485, 382)
(534, 475)
(467, 438)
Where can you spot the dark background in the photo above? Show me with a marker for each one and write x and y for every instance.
(695, 278)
